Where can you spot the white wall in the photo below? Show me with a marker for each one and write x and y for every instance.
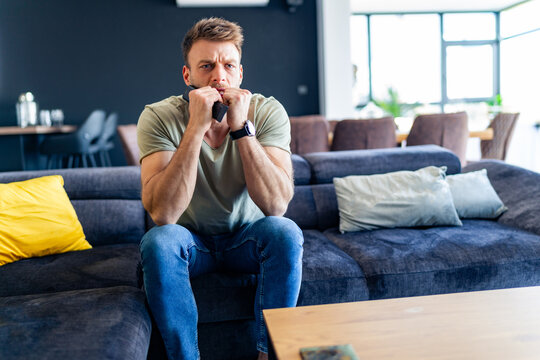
(335, 66)
(520, 79)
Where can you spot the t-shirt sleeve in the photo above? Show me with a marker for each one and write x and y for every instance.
(152, 134)
(272, 125)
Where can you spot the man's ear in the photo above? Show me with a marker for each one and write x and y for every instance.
(185, 75)
(241, 74)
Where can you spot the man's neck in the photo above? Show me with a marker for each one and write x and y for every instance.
(215, 136)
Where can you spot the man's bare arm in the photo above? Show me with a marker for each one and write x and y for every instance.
(168, 179)
(268, 172)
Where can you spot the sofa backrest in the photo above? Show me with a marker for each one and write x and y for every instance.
(314, 205)
(106, 200)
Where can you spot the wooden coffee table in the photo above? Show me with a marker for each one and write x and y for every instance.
(495, 324)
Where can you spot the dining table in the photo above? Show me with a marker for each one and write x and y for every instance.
(485, 134)
(19, 146)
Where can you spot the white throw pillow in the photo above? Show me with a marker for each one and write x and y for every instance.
(474, 197)
(397, 199)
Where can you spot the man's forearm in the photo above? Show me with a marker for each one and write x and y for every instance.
(269, 185)
(168, 193)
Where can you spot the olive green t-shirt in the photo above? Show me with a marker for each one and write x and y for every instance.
(220, 203)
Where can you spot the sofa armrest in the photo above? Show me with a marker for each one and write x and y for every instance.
(518, 188)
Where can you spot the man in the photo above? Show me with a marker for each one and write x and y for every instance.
(216, 190)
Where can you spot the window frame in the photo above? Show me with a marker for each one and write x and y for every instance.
(494, 43)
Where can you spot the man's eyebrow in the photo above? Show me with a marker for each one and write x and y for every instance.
(211, 61)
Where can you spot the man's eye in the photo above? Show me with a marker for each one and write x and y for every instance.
(230, 66)
(205, 66)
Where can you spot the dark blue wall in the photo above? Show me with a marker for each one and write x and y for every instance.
(122, 54)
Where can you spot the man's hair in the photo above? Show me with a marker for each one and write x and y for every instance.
(213, 29)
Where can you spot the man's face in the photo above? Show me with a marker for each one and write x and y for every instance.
(213, 63)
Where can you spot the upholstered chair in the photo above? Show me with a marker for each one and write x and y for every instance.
(128, 138)
(447, 130)
(308, 134)
(503, 127)
(364, 134)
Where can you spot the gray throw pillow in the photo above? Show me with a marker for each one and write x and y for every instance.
(474, 197)
(397, 199)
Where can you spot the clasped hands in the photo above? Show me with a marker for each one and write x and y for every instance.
(202, 99)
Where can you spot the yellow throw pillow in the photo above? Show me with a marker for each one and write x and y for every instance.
(37, 219)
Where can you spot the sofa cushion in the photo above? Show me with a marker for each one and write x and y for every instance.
(123, 182)
(106, 200)
(111, 221)
(482, 254)
(102, 266)
(301, 170)
(326, 204)
(518, 188)
(302, 208)
(328, 276)
(326, 166)
(37, 219)
(474, 197)
(396, 199)
(110, 323)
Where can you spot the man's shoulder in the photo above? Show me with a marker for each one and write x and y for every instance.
(264, 106)
(172, 102)
(261, 100)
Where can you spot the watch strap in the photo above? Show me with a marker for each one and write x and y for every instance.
(244, 131)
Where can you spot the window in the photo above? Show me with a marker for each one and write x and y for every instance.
(470, 44)
(406, 56)
(360, 59)
(405, 52)
(469, 26)
(469, 72)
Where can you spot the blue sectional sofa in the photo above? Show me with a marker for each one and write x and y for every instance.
(90, 304)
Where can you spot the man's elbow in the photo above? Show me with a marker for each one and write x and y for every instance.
(162, 219)
(277, 208)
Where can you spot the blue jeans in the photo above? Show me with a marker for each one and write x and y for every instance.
(171, 254)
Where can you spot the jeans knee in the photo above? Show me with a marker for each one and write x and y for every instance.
(284, 237)
(166, 240)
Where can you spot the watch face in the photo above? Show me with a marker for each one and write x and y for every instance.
(250, 128)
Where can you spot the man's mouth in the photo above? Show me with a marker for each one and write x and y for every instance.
(221, 90)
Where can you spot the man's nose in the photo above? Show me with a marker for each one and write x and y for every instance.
(218, 74)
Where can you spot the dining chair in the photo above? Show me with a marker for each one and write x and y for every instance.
(128, 138)
(309, 133)
(364, 134)
(503, 125)
(75, 149)
(447, 130)
(105, 141)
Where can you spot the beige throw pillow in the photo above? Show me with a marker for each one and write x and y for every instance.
(398, 199)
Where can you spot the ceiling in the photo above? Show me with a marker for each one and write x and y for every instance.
(393, 6)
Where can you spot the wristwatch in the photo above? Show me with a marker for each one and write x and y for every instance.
(247, 130)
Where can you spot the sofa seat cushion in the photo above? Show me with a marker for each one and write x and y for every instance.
(109, 323)
(328, 276)
(481, 255)
(101, 266)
